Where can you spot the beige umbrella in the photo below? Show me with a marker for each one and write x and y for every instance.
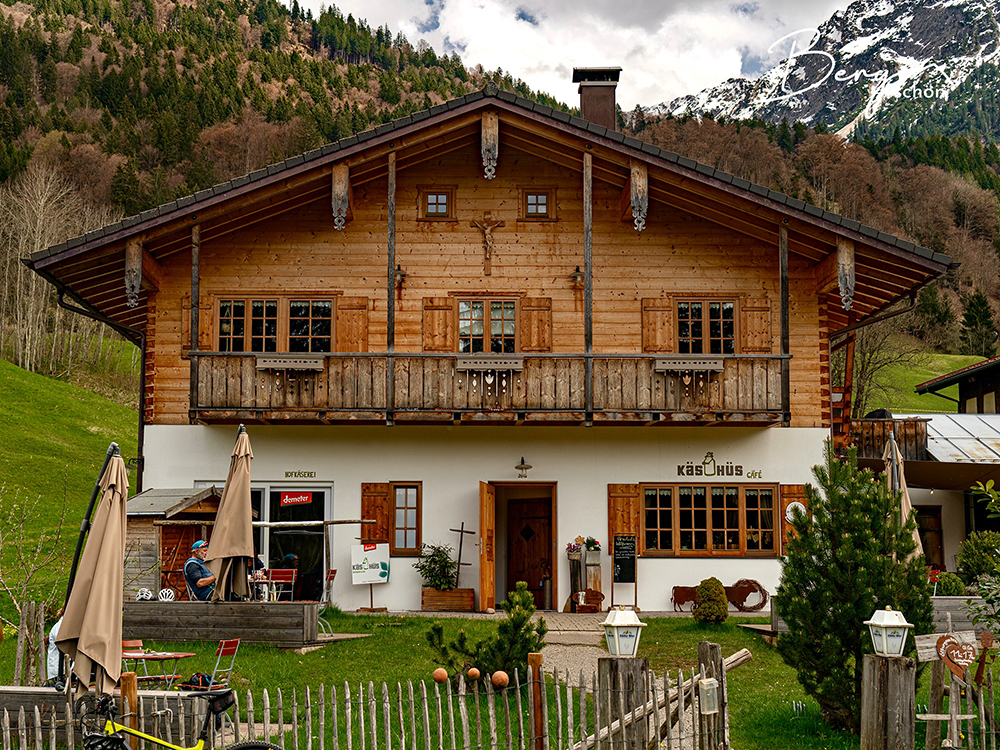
(91, 630)
(232, 535)
(897, 483)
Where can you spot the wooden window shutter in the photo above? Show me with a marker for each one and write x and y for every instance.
(790, 493)
(658, 324)
(535, 321)
(375, 506)
(755, 320)
(624, 512)
(352, 324)
(439, 324)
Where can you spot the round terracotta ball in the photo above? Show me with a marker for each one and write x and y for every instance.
(500, 679)
(473, 673)
(440, 674)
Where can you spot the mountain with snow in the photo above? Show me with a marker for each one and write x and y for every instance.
(875, 61)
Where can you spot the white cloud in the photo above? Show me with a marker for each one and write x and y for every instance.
(665, 49)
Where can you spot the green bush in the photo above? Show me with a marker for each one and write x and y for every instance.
(712, 606)
(437, 567)
(978, 555)
(950, 584)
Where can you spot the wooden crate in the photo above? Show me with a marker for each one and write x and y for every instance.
(455, 600)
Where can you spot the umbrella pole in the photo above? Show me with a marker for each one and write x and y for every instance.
(113, 450)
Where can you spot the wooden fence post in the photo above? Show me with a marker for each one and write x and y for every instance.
(624, 680)
(888, 703)
(710, 659)
(130, 703)
(535, 678)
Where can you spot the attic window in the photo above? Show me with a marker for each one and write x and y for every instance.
(538, 204)
(437, 203)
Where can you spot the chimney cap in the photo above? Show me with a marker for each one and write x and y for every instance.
(596, 75)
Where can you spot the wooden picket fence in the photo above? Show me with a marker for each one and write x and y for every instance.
(564, 714)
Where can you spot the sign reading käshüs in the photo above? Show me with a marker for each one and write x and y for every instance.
(710, 467)
(369, 563)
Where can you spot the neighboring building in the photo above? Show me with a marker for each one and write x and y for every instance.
(400, 317)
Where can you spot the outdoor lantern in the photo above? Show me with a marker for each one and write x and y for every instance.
(622, 630)
(888, 629)
(708, 695)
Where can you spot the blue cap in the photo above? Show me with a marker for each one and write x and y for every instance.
(200, 543)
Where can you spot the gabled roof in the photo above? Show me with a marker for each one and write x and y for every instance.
(99, 287)
(168, 502)
(943, 381)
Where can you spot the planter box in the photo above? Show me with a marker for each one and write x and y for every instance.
(455, 600)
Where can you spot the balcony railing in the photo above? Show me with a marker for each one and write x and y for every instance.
(537, 387)
(871, 435)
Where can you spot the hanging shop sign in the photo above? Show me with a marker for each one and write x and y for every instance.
(296, 498)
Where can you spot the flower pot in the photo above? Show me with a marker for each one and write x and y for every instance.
(592, 557)
(453, 600)
(574, 555)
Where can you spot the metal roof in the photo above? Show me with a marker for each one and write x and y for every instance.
(168, 502)
(963, 438)
(189, 203)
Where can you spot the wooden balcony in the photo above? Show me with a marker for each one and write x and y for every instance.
(543, 388)
(871, 435)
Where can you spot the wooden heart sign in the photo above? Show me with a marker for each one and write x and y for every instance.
(956, 655)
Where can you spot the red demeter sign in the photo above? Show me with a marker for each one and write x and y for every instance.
(296, 498)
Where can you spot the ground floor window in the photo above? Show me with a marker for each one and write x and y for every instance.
(704, 519)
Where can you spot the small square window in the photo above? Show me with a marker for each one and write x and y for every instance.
(538, 204)
(437, 203)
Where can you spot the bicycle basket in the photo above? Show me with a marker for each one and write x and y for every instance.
(221, 702)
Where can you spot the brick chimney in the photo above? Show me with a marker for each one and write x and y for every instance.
(597, 94)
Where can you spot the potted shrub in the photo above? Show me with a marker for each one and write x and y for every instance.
(440, 574)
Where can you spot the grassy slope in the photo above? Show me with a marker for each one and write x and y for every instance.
(928, 367)
(53, 438)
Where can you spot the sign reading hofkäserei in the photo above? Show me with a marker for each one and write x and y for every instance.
(623, 556)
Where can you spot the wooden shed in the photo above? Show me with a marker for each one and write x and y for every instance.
(162, 526)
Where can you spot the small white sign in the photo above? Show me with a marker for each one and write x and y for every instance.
(369, 563)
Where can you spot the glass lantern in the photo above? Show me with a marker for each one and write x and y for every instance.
(622, 630)
(888, 628)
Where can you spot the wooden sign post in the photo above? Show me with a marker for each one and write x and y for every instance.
(623, 558)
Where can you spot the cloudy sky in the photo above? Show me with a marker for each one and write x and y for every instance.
(666, 48)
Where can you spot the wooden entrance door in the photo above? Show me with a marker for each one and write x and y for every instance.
(529, 543)
(929, 528)
(487, 553)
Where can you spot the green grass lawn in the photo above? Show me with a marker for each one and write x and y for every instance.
(53, 438)
(928, 366)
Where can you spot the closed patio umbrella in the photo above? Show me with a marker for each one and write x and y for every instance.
(232, 535)
(897, 483)
(91, 630)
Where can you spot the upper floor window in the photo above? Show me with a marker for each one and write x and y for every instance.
(487, 326)
(708, 519)
(706, 326)
(437, 202)
(538, 203)
(275, 325)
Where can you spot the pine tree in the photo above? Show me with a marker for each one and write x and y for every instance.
(979, 331)
(847, 556)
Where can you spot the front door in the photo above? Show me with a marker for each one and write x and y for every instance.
(529, 544)
(487, 552)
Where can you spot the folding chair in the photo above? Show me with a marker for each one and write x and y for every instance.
(225, 660)
(134, 645)
(280, 578)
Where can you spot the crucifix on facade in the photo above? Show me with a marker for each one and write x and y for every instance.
(486, 226)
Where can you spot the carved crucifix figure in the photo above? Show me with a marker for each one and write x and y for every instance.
(486, 226)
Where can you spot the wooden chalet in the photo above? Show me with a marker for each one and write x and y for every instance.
(406, 318)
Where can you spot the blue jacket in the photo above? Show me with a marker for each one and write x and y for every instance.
(194, 571)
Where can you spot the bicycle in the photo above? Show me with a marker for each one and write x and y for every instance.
(110, 735)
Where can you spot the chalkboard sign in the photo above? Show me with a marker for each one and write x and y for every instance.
(624, 558)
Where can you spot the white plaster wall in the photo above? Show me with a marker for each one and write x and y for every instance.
(451, 461)
(952, 504)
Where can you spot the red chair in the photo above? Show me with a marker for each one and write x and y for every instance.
(225, 660)
(278, 579)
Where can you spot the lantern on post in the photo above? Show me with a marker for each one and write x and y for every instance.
(622, 630)
(888, 628)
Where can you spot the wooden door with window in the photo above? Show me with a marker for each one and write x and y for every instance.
(487, 552)
(929, 528)
(529, 544)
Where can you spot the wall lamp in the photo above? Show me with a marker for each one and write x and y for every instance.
(522, 469)
(399, 275)
(577, 278)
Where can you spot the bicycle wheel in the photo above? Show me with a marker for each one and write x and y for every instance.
(253, 745)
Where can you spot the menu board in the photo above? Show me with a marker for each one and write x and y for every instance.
(623, 556)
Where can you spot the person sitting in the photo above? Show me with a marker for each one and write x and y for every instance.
(200, 579)
(54, 655)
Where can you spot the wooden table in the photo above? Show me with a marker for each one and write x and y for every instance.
(168, 677)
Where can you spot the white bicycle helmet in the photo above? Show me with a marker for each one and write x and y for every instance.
(144, 595)
(166, 595)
